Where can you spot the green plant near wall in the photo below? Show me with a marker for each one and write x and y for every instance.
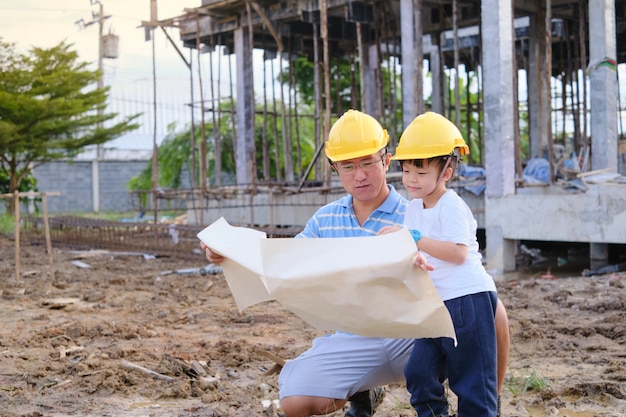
(7, 224)
(174, 154)
(28, 183)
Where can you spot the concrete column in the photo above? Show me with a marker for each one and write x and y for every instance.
(95, 184)
(598, 255)
(436, 74)
(497, 58)
(603, 83)
(368, 84)
(244, 158)
(409, 62)
(539, 74)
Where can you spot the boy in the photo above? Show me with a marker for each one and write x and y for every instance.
(444, 229)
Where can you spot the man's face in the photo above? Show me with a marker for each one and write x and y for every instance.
(364, 177)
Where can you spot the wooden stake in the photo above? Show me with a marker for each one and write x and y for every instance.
(17, 238)
(16, 196)
(44, 203)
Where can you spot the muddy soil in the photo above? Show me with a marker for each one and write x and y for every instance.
(114, 335)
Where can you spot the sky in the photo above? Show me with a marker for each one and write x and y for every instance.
(46, 23)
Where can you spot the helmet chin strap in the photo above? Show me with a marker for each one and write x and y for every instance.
(443, 171)
(447, 165)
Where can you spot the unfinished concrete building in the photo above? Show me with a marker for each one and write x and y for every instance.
(466, 59)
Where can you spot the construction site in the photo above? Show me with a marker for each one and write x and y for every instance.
(534, 86)
(126, 318)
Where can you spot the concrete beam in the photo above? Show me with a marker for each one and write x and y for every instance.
(552, 214)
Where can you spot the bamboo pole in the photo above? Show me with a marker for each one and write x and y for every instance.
(323, 4)
(44, 204)
(17, 237)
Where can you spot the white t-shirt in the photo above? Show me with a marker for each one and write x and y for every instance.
(451, 220)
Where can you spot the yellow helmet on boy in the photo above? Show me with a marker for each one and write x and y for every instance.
(429, 135)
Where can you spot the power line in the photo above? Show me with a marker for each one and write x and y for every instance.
(39, 9)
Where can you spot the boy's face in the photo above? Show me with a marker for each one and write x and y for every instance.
(421, 182)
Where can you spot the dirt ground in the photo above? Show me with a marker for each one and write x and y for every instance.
(121, 338)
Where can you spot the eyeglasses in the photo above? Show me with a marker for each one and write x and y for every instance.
(349, 168)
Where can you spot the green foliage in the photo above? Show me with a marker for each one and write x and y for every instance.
(469, 118)
(28, 183)
(175, 156)
(172, 156)
(529, 380)
(344, 82)
(524, 134)
(50, 109)
(7, 224)
(341, 74)
(304, 80)
(398, 404)
(271, 128)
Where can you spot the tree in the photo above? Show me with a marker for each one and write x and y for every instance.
(50, 108)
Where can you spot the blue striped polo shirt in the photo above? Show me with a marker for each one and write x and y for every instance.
(337, 219)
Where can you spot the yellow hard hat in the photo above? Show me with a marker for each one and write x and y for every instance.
(354, 135)
(429, 135)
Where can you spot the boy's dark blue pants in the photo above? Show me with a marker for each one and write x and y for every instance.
(470, 367)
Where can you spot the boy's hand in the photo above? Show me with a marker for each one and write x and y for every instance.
(420, 260)
(421, 263)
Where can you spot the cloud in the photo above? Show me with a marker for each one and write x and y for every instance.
(36, 23)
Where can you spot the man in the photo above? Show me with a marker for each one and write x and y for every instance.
(341, 366)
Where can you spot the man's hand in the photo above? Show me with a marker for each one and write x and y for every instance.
(213, 257)
(388, 229)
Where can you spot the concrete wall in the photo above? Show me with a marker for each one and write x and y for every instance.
(287, 209)
(266, 208)
(75, 183)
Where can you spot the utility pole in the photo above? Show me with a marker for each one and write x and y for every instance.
(98, 18)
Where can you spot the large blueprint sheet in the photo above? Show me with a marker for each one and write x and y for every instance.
(364, 285)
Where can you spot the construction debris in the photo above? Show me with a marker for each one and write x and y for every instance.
(81, 264)
(59, 303)
(210, 269)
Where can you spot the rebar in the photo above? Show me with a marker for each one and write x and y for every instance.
(156, 239)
